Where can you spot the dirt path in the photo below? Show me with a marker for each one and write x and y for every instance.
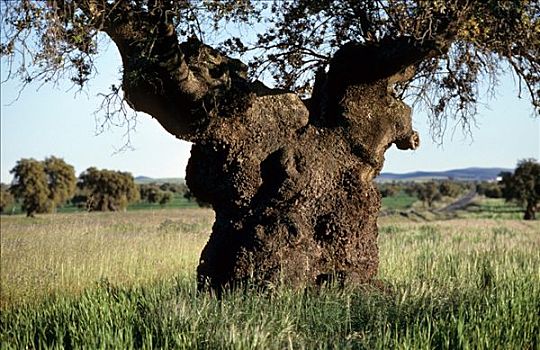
(460, 203)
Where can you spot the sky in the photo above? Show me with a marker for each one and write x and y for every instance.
(58, 121)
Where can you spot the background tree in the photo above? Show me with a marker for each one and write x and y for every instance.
(31, 186)
(150, 193)
(427, 192)
(450, 189)
(288, 170)
(108, 190)
(523, 186)
(489, 189)
(6, 198)
(61, 179)
(388, 189)
(166, 198)
(179, 188)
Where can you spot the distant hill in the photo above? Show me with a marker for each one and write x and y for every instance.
(467, 174)
(140, 180)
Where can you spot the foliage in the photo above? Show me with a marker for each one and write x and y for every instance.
(472, 39)
(166, 197)
(523, 186)
(461, 42)
(61, 179)
(450, 189)
(427, 192)
(388, 189)
(489, 189)
(149, 193)
(179, 188)
(52, 177)
(153, 193)
(108, 190)
(6, 198)
(30, 184)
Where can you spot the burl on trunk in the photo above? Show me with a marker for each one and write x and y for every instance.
(290, 180)
(291, 183)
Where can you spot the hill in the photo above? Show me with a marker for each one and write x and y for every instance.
(467, 174)
(141, 180)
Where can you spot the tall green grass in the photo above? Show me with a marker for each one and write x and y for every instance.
(449, 285)
(66, 253)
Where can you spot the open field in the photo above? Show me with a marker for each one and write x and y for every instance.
(123, 280)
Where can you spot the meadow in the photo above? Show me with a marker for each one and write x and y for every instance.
(127, 280)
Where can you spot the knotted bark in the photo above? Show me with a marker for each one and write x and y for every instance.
(291, 181)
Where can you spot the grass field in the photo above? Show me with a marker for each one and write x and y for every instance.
(398, 202)
(127, 280)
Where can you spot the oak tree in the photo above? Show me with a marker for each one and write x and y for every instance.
(61, 180)
(450, 188)
(31, 186)
(6, 198)
(427, 192)
(523, 186)
(108, 190)
(166, 198)
(289, 169)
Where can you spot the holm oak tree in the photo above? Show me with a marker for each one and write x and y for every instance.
(288, 169)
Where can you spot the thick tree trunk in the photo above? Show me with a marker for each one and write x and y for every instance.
(290, 181)
(530, 212)
(295, 203)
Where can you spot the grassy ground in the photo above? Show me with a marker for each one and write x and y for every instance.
(492, 208)
(398, 202)
(104, 280)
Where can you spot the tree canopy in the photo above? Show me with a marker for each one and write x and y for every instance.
(30, 184)
(61, 180)
(523, 186)
(447, 48)
(43, 185)
(6, 198)
(108, 190)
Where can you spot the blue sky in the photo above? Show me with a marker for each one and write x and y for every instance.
(55, 121)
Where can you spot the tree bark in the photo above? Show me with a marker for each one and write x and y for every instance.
(291, 186)
(530, 211)
(293, 192)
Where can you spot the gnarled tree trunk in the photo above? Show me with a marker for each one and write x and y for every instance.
(291, 183)
(290, 180)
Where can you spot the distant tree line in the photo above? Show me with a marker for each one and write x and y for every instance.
(428, 192)
(44, 186)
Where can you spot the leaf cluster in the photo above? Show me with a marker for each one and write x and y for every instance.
(108, 190)
(523, 186)
(43, 185)
(6, 198)
(427, 192)
(152, 193)
(289, 41)
(477, 41)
